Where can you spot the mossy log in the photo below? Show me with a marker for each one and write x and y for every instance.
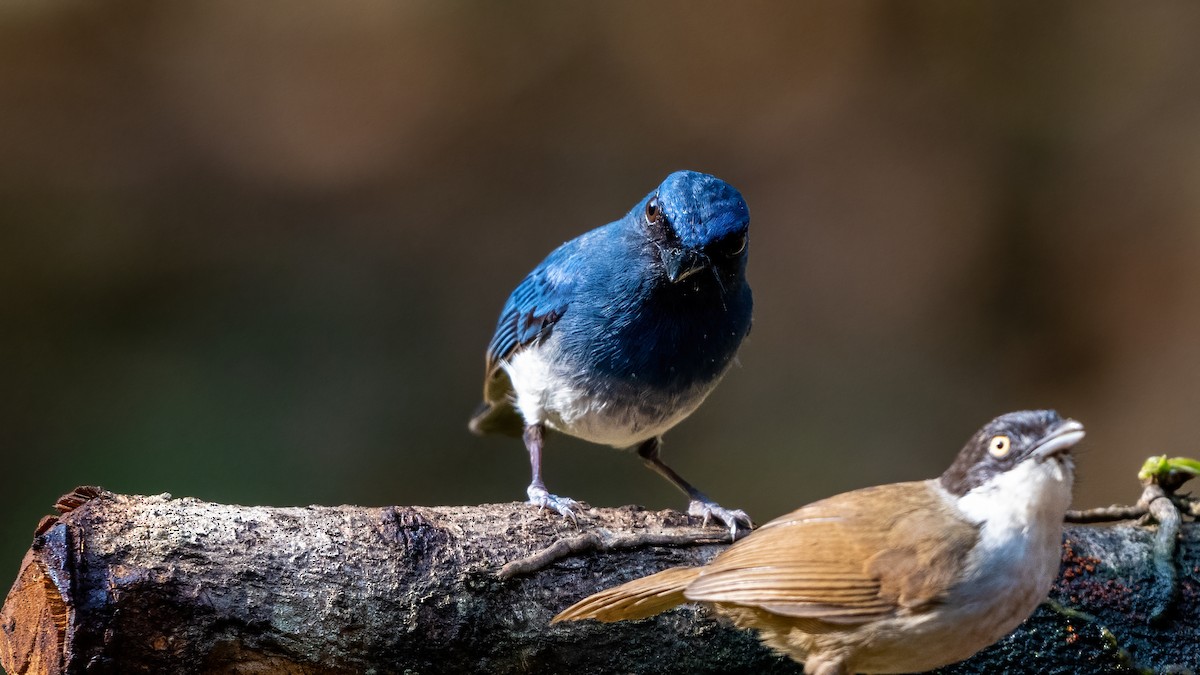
(132, 584)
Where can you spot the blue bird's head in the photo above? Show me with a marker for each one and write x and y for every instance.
(695, 222)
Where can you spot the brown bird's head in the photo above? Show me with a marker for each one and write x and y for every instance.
(1018, 463)
(1029, 435)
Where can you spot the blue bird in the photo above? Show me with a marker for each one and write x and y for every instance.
(622, 332)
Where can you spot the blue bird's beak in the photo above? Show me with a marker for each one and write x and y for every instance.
(681, 263)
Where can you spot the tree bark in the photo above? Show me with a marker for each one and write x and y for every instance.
(130, 584)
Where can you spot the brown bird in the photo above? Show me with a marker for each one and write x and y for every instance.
(897, 578)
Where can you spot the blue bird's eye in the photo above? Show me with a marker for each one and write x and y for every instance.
(654, 212)
(732, 246)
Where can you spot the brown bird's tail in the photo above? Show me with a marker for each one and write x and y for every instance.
(637, 599)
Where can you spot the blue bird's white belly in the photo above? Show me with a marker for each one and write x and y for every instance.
(550, 390)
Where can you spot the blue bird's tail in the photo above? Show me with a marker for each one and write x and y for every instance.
(496, 418)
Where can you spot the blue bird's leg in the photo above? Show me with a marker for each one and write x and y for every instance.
(700, 504)
(538, 495)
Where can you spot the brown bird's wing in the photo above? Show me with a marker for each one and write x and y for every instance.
(853, 558)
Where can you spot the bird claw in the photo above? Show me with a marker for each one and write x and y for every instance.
(539, 497)
(711, 510)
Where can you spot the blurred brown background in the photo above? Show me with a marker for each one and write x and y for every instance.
(252, 252)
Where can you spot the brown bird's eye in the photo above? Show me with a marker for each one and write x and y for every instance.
(654, 212)
(999, 446)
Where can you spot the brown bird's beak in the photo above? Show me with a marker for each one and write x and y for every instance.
(1060, 440)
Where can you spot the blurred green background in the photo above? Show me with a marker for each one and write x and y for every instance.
(253, 251)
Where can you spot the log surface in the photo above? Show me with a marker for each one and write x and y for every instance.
(131, 584)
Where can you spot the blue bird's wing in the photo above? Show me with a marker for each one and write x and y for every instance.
(527, 318)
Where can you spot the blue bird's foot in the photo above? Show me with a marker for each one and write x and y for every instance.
(539, 497)
(711, 510)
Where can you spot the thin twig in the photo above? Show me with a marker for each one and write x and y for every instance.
(1110, 514)
(1188, 505)
(1164, 511)
(1106, 514)
(602, 541)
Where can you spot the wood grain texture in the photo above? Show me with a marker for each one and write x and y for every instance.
(128, 584)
